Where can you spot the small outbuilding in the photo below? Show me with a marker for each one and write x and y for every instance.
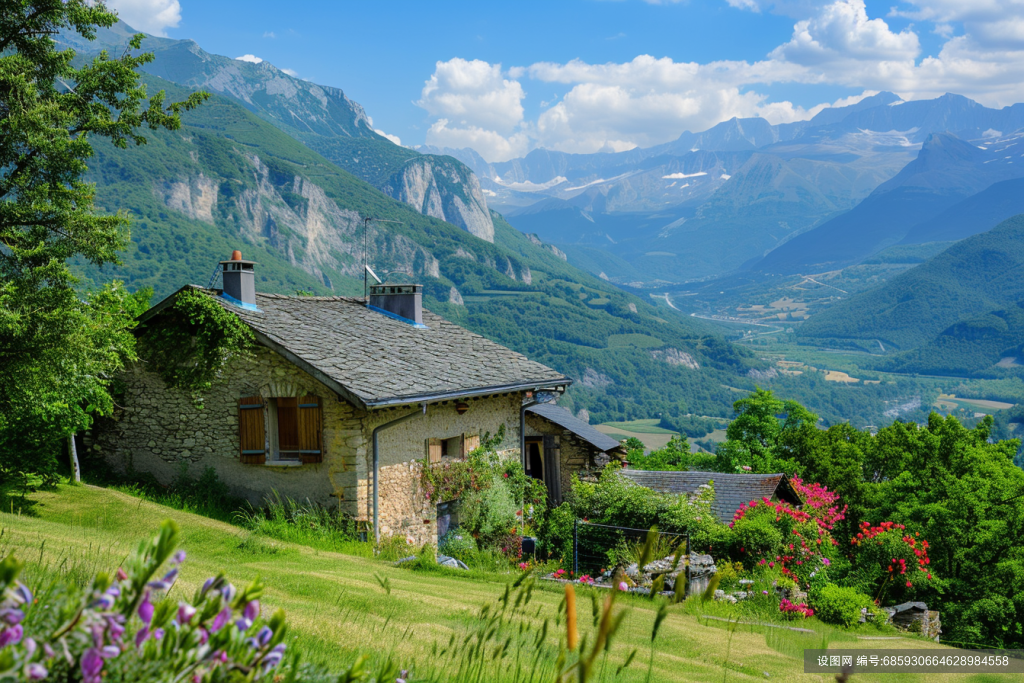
(557, 445)
(731, 490)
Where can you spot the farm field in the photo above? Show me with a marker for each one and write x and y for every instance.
(336, 604)
(648, 431)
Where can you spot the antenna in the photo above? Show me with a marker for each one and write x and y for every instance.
(366, 266)
(373, 274)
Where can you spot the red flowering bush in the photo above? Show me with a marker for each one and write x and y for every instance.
(771, 534)
(887, 557)
(821, 504)
(794, 610)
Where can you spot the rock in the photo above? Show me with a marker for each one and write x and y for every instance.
(446, 561)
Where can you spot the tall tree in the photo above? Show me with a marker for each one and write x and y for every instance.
(756, 437)
(58, 350)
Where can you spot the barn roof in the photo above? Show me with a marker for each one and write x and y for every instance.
(730, 489)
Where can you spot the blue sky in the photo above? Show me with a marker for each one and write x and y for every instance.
(587, 75)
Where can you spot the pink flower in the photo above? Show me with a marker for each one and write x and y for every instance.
(623, 586)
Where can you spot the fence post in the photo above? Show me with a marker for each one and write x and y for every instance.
(575, 548)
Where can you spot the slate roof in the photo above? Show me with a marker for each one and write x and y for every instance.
(563, 418)
(374, 360)
(730, 489)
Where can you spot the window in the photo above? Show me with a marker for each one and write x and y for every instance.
(454, 447)
(294, 428)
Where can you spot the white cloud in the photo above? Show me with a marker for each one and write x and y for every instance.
(151, 16)
(649, 100)
(490, 144)
(394, 138)
(473, 93)
(269, 34)
(249, 58)
(291, 72)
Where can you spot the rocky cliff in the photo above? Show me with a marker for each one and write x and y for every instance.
(443, 188)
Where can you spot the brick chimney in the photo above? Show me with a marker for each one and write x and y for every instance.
(239, 281)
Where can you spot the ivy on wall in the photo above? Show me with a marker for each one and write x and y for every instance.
(189, 343)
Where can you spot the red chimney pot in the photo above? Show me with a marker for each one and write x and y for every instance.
(236, 255)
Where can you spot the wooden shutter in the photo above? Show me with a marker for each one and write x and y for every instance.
(433, 451)
(311, 429)
(252, 434)
(287, 424)
(470, 442)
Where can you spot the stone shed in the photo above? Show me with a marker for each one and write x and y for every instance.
(558, 445)
(340, 393)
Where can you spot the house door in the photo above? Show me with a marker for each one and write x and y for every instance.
(535, 458)
(542, 462)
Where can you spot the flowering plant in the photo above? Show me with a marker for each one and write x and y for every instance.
(772, 535)
(123, 627)
(795, 610)
(586, 579)
(821, 504)
(888, 556)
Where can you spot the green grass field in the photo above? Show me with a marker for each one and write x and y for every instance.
(337, 606)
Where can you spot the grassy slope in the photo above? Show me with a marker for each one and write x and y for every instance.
(336, 606)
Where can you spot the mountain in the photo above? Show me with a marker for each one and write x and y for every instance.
(978, 213)
(946, 171)
(713, 202)
(975, 275)
(321, 117)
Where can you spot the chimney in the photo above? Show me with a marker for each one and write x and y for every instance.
(404, 302)
(239, 281)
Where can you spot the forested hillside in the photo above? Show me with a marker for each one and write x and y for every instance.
(978, 274)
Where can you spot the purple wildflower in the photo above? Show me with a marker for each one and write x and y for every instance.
(110, 651)
(826, 561)
(36, 672)
(141, 636)
(11, 635)
(203, 636)
(115, 627)
(208, 584)
(219, 620)
(22, 595)
(92, 664)
(146, 609)
(243, 624)
(158, 634)
(11, 616)
(274, 657)
(264, 636)
(228, 591)
(185, 613)
(252, 610)
(179, 557)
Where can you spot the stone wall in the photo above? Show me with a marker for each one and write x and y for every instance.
(160, 431)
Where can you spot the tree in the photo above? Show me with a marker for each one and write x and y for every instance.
(755, 438)
(59, 351)
(966, 496)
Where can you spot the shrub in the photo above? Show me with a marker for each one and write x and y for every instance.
(490, 513)
(457, 544)
(840, 605)
(888, 559)
(305, 523)
(771, 533)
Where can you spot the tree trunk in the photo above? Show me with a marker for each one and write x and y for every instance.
(76, 471)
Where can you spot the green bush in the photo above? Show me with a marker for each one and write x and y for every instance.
(457, 544)
(839, 605)
(756, 537)
(490, 513)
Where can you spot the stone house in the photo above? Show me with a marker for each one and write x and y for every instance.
(557, 445)
(341, 402)
(731, 490)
